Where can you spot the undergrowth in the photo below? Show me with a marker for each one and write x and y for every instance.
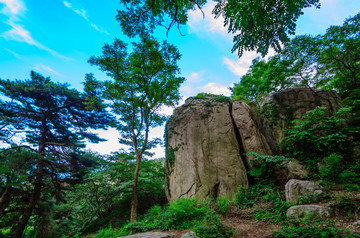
(267, 202)
(178, 215)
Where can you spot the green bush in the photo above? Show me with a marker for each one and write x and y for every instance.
(265, 165)
(309, 198)
(184, 213)
(222, 205)
(327, 141)
(109, 233)
(181, 214)
(267, 202)
(212, 227)
(313, 232)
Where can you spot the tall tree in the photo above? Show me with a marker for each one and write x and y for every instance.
(54, 119)
(142, 82)
(328, 61)
(258, 24)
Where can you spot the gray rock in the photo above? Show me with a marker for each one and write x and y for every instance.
(189, 234)
(205, 153)
(251, 137)
(301, 211)
(291, 104)
(295, 188)
(357, 223)
(295, 170)
(150, 234)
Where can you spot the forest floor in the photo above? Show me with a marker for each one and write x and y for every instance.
(246, 226)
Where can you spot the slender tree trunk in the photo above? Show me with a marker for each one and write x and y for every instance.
(5, 199)
(17, 231)
(134, 197)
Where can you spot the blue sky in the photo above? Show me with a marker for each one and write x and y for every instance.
(57, 37)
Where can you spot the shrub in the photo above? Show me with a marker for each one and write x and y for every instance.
(327, 140)
(181, 214)
(265, 165)
(212, 227)
(222, 205)
(313, 232)
(267, 202)
(109, 233)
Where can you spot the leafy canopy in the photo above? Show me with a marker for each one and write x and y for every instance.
(257, 24)
(143, 81)
(328, 61)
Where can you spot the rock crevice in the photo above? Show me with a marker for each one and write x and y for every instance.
(208, 138)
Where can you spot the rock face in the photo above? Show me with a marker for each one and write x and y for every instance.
(189, 234)
(295, 170)
(279, 109)
(252, 139)
(295, 188)
(312, 210)
(207, 139)
(150, 235)
(203, 154)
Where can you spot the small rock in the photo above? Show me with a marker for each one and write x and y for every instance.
(189, 234)
(295, 188)
(150, 235)
(301, 211)
(357, 223)
(295, 170)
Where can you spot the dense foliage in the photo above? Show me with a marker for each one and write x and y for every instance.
(51, 187)
(181, 214)
(54, 119)
(142, 82)
(328, 61)
(258, 25)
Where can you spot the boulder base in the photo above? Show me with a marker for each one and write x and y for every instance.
(150, 235)
(301, 211)
(295, 188)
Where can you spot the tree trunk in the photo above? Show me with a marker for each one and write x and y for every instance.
(18, 230)
(5, 199)
(134, 197)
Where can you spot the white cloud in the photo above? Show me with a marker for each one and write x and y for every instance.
(41, 67)
(16, 55)
(83, 14)
(19, 33)
(240, 66)
(80, 12)
(107, 147)
(198, 23)
(13, 9)
(186, 90)
(215, 88)
(194, 76)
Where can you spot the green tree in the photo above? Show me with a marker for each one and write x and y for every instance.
(261, 24)
(54, 119)
(258, 24)
(105, 195)
(340, 57)
(328, 61)
(142, 82)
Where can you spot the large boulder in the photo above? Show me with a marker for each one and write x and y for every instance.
(252, 139)
(295, 188)
(203, 154)
(207, 139)
(277, 110)
(301, 211)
